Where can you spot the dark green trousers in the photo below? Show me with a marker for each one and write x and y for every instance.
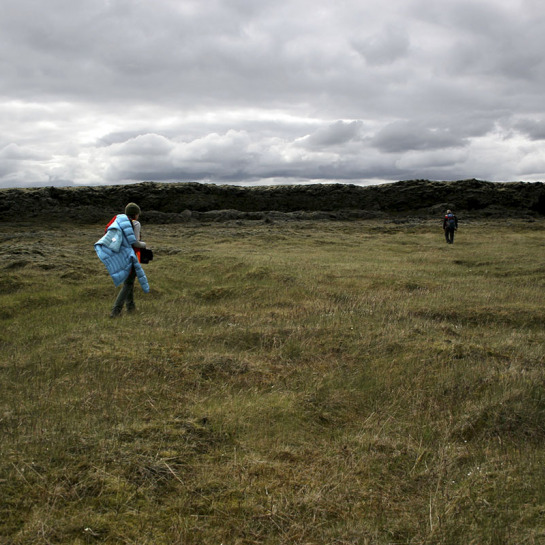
(126, 295)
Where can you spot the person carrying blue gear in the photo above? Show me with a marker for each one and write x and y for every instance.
(119, 250)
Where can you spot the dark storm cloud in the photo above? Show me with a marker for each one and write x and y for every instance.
(113, 91)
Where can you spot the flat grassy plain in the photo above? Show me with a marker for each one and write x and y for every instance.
(283, 383)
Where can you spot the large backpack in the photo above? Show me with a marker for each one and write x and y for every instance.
(451, 221)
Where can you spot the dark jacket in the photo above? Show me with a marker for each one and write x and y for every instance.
(450, 222)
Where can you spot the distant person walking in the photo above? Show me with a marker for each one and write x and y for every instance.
(450, 224)
(119, 249)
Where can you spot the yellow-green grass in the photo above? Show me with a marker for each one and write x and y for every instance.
(298, 383)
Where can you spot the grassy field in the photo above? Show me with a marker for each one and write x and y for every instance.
(284, 383)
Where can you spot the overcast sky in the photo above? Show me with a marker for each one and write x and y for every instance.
(261, 91)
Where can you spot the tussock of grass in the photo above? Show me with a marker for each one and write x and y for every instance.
(292, 383)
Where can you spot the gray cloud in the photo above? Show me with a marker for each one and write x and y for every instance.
(335, 134)
(402, 136)
(385, 47)
(534, 129)
(255, 92)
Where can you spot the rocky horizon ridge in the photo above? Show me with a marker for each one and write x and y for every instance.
(192, 201)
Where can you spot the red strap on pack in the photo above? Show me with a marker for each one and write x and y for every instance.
(109, 223)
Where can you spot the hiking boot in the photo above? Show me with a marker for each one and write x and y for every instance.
(131, 308)
(116, 312)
